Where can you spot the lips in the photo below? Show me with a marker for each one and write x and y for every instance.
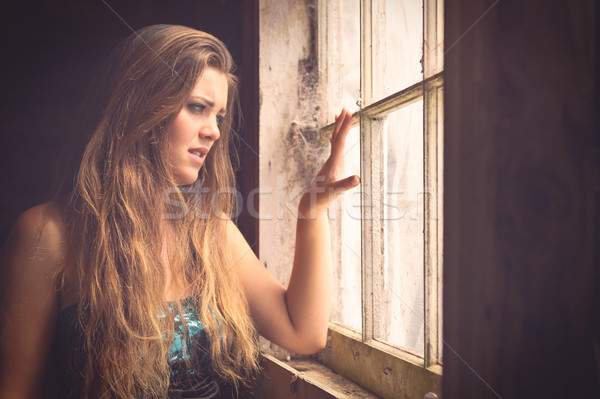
(198, 154)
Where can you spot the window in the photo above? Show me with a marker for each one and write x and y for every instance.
(384, 59)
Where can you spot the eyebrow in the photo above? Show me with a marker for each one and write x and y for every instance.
(208, 102)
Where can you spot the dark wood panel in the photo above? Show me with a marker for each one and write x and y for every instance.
(248, 145)
(520, 272)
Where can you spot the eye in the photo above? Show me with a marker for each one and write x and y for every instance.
(220, 119)
(197, 108)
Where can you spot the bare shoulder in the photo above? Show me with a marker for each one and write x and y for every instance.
(29, 299)
(32, 256)
(36, 241)
(47, 218)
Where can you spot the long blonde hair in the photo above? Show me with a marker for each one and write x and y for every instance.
(117, 230)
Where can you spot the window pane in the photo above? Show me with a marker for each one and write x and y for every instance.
(350, 54)
(402, 296)
(347, 273)
(403, 47)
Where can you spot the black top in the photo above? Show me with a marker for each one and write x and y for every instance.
(200, 382)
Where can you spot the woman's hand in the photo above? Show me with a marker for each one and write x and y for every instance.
(327, 186)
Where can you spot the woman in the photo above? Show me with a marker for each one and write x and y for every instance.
(138, 284)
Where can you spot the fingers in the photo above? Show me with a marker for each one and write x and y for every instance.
(345, 184)
(340, 132)
(339, 121)
(333, 132)
(336, 126)
(343, 121)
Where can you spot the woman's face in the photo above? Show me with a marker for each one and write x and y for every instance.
(196, 127)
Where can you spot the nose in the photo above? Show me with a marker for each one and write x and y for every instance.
(210, 129)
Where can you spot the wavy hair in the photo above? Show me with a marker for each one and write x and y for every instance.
(121, 243)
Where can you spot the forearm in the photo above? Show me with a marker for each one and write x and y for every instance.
(309, 291)
(297, 317)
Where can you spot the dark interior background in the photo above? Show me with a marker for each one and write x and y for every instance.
(50, 51)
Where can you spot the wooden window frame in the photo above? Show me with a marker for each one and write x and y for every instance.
(380, 367)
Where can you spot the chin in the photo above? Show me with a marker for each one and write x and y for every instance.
(186, 179)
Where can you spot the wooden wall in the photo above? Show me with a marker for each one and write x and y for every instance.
(521, 199)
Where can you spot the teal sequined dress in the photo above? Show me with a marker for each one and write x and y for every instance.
(200, 382)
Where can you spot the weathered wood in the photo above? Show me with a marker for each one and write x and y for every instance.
(521, 106)
(387, 372)
(280, 381)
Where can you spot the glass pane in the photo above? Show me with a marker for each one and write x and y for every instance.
(347, 273)
(350, 54)
(402, 294)
(403, 46)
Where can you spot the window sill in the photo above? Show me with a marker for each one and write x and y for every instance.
(344, 360)
(387, 372)
(304, 378)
